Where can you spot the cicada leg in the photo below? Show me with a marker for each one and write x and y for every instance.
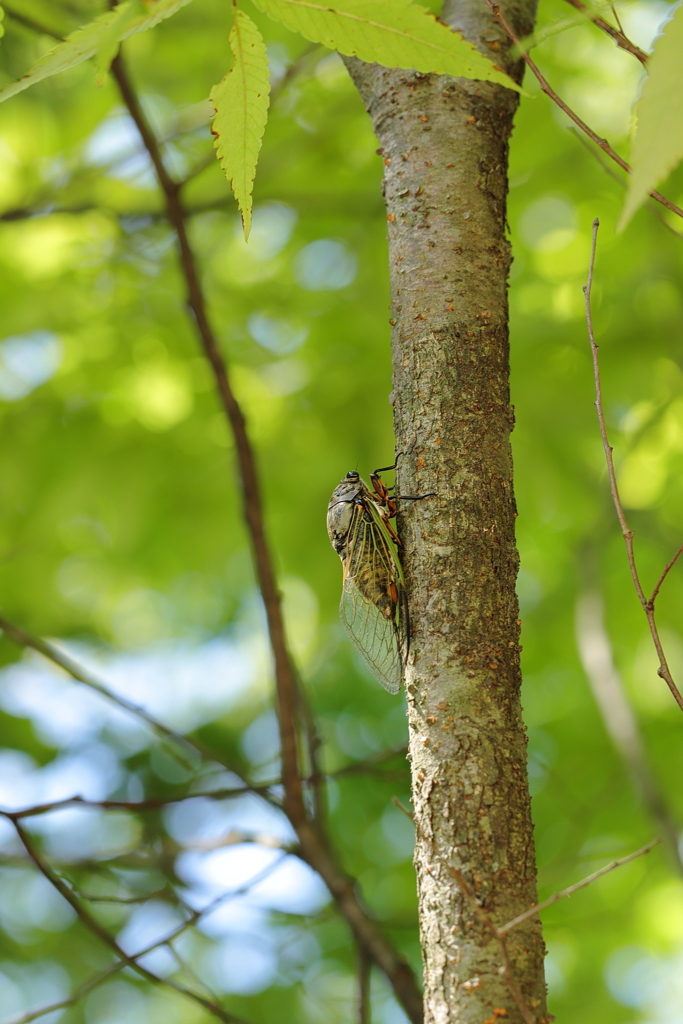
(413, 497)
(392, 532)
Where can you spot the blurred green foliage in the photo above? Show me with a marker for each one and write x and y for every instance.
(120, 524)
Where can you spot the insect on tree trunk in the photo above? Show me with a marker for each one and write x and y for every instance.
(444, 144)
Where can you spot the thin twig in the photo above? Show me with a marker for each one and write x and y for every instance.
(397, 803)
(648, 604)
(82, 675)
(502, 932)
(616, 34)
(506, 970)
(114, 968)
(549, 91)
(158, 894)
(613, 9)
(570, 890)
(154, 803)
(97, 929)
(315, 847)
(652, 207)
(665, 573)
(71, 1000)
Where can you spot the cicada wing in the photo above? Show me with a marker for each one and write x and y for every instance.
(374, 635)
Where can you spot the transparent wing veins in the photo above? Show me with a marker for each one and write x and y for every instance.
(375, 629)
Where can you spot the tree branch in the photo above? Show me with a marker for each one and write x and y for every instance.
(100, 978)
(648, 604)
(571, 889)
(81, 675)
(602, 143)
(97, 929)
(667, 569)
(154, 803)
(654, 209)
(622, 41)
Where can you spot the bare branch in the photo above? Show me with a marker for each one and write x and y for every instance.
(98, 930)
(648, 605)
(607, 168)
(665, 573)
(158, 894)
(546, 88)
(397, 803)
(63, 1004)
(154, 803)
(616, 34)
(81, 675)
(570, 890)
(167, 940)
(596, 657)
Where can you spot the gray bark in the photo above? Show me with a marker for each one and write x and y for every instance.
(444, 144)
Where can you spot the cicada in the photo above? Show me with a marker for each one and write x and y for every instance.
(373, 605)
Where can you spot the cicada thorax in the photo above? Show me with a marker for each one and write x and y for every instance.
(340, 512)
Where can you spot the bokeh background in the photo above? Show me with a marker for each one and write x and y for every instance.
(121, 535)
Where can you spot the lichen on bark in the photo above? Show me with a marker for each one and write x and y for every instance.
(444, 145)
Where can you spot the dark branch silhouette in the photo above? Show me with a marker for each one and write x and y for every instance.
(622, 41)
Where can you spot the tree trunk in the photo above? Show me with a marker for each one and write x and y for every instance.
(444, 143)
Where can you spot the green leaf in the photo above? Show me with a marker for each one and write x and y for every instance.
(2, 27)
(125, 14)
(241, 104)
(86, 42)
(395, 33)
(658, 141)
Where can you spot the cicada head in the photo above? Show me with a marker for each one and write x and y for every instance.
(340, 510)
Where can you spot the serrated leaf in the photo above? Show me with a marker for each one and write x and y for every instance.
(241, 104)
(395, 33)
(86, 41)
(658, 142)
(111, 38)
